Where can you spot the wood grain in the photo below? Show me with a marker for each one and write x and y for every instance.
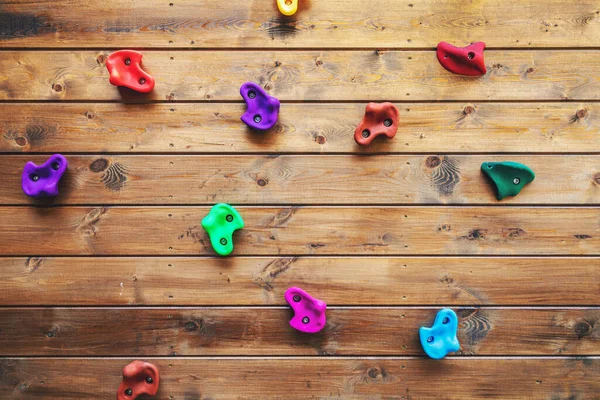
(334, 23)
(302, 128)
(263, 280)
(303, 75)
(303, 230)
(301, 180)
(266, 331)
(309, 378)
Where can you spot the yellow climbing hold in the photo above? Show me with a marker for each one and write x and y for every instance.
(287, 7)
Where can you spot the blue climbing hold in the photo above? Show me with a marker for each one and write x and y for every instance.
(440, 339)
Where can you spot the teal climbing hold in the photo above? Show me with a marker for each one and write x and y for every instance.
(509, 177)
(440, 339)
(220, 223)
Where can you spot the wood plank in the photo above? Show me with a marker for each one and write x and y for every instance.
(266, 331)
(303, 230)
(263, 280)
(301, 180)
(309, 378)
(304, 128)
(334, 23)
(304, 75)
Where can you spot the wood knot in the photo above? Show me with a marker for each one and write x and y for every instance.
(582, 113)
(57, 87)
(444, 228)
(375, 373)
(469, 110)
(320, 139)
(21, 141)
(433, 161)
(262, 182)
(596, 178)
(268, 86)
(191, 326)
(447, 279)
(582, 329)
(101, 59)
(90, 115)
(99, 165)
(530, 70)
(319, 63)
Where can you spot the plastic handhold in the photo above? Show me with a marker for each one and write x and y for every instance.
(462, 60)
(125, 70)
(287, 7)
(139, 378)
(263, 109)
(379, 119)
(309, 313)
(440, 339)
(220, 223)
(42, 180)
(508, 177)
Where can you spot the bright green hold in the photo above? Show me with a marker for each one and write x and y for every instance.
(509, 177)
(220, 223)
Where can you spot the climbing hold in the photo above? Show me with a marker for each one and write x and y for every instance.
(440, 339)
(42, 180)
(379, 119)
(309, 313)
(125, 70)
(262, 109)
(462, 60)
(287, 7)
(139, 378)
(220, 223)
(509, 177)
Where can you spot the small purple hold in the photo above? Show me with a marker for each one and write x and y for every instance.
(309, 313)
(42, 180)
(262, 109)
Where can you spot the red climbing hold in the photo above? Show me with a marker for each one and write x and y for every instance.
(462, 60)
(125, 70)
(379, 119)
(139, 378)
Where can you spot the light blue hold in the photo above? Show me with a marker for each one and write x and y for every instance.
(440, 339)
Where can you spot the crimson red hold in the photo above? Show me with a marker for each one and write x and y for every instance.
(125, 70)
(462, 60)
(139, 378)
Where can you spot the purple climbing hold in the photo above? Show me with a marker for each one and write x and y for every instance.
(309, 313)
(262, 109)
(42, 180)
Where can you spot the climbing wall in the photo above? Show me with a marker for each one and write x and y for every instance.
(118, 268)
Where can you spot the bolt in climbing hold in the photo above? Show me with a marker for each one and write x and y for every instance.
(309, 312)
(42, 180)
(287, 7)
(440, 339)
(379, 119)
(508, 177)
(125, 69)
(139, 378)
(262, 110)
(220, 223)
(462, 60)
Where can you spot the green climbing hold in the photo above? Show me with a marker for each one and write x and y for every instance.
(509, 177)
(220, 223)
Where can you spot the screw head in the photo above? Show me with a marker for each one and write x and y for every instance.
(387, 122)
(257, 118)
(366, 133)
(471, 55)
(128, 392)
(430, 339)
(142, 81)
(305, 320)
(35, 177)
(445, 320)
(55, 166)
(251, 94)
(223, 241)
(149, 379)
(296, 298)
(516, 181)
(229, 218)
(127, 61)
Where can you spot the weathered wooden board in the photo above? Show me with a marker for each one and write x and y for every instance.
(309, 378)
(309, 179)
(332, 23)
(263, 281)
(266, 331)
(304, 75)
(303, 230)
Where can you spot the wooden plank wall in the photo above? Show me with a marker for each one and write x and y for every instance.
(118, 268)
